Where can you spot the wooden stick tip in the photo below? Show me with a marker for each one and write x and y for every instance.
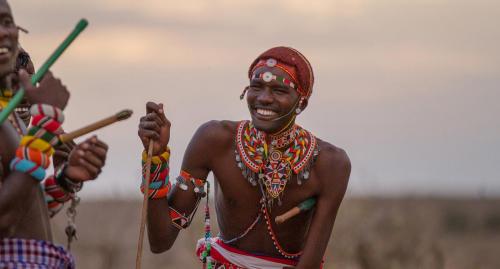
(124, 114)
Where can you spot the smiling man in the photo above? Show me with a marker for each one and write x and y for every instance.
(262, 169)
(25, 233)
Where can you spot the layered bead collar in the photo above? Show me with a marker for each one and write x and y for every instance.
(271, 160)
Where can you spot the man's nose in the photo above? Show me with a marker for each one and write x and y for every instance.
(265, 96)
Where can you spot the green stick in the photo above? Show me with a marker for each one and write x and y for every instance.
(304, 206)
(82, 24)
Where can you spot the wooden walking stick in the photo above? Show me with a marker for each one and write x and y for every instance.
(122, 115)
(144, 206)
(82, 24)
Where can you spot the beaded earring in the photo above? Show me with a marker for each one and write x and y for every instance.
(243, 93)
(298, 110)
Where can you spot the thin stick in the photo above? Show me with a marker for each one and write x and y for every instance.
(122, 115)
(14, 102)
(304, 206)
(144, 206)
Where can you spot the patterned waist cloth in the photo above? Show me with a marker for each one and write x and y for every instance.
(228, 257)
(33, 254)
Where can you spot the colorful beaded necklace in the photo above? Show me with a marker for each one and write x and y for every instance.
(272, 159)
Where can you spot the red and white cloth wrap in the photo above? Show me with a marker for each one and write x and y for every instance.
(33, 254)
(225, 256)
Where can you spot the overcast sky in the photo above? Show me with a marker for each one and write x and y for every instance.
(410, 89)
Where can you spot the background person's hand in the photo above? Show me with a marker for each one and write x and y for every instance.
(86, 160)
(49, 91)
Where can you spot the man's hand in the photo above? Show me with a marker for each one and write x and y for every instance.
(61, 154)
(49, 91)
(154, 126)
(86, 160)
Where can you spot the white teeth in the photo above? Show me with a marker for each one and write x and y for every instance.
(4, 50)
(266, 112)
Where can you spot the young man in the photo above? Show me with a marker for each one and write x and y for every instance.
(25, 235)
(262, 169)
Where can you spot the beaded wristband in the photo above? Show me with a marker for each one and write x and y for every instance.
(28, 167)
(44, 135)
(37, 143)
(162, 158)
(55, 190)
(159, 180)
(36, 156)
(66, 183)
(48, 111)
(53, 206)
(159, 193)
(47, 123)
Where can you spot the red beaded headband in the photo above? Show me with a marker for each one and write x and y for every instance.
(273, 63)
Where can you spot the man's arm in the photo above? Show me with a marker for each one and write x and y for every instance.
(15, 194)
(161, 233)
(334, 169)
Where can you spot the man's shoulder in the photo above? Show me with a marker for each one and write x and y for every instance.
(332, 159)
(217, 131)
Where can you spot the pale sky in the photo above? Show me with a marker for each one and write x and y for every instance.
(408, 88)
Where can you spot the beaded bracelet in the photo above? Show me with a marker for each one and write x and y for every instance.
(48, 111)
(154, 194)
(36, 156)
(28, 167)
(52, 205)
(159, 180)
(52, 188)
(37, 143)
(66, 183)
(162, 158)
(47, 123)
(43, 134)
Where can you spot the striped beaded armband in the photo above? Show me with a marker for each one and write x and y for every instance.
(34, 155)
(47, 123)
(43, 134)
(162, 158)
(47, 111)
(28, 167)
(53, 189)
(37, 143)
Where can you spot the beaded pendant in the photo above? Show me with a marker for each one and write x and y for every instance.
(272, 159)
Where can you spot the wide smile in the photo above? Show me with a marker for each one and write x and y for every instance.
(5, 53)
(264, 114)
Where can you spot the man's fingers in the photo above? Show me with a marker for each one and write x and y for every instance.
(153, 117)
(93, 159)
(152, 107)
(24, 79)
(151, 125)
(91, 169)
(161, 114)
(143, 133)
(61, 154)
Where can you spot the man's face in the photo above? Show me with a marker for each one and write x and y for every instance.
(8, 40)
(272, 104)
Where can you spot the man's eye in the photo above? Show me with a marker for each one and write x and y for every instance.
(7, 22)
(280, 91)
